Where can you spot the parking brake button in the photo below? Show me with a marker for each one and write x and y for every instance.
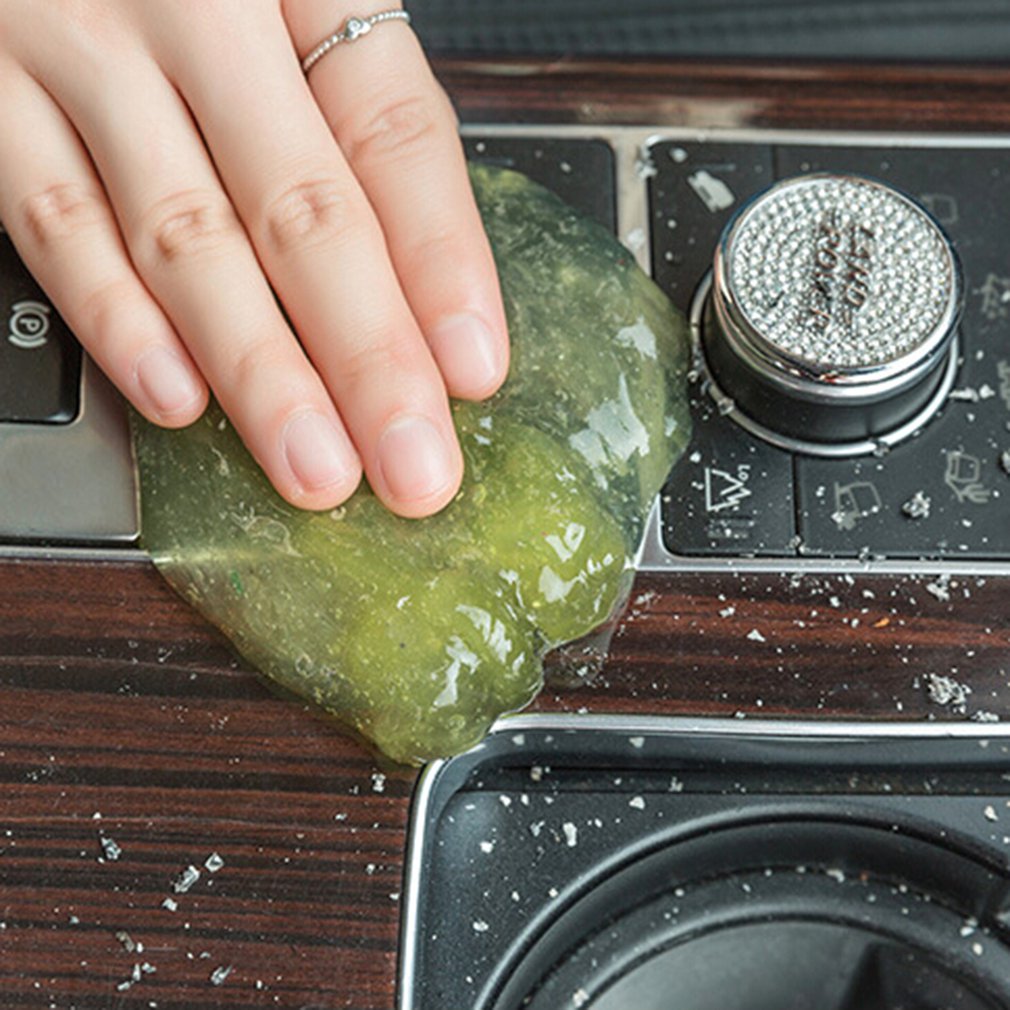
(40, 361)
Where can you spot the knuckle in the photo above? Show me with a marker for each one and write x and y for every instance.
(105, 312)
(399, 126)
(85, 16)
(308, 213)
(94, 32)
(255, 364)
(437, 250)
(189, 224)
(61, 211)
(380, 362)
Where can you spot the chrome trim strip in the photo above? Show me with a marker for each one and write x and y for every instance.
(55, 552)
(413, 868)
(644, 136)
(758, 726)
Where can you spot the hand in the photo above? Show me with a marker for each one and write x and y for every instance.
(168, 174)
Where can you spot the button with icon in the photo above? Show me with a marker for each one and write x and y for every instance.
(28, 324)
(40, 361)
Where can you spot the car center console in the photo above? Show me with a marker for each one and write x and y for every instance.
(929, 486)
(796, 740)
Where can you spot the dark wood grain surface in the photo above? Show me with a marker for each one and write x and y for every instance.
(128, 728)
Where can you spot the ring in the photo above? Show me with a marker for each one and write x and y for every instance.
(352, 29)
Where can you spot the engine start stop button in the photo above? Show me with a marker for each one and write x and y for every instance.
(829, 326)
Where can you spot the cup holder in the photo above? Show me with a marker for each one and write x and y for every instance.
(814, 915)
(623, 863)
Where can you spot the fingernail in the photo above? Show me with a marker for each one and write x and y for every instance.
(316, 451)
(467, 352)
(166, 381)
(414, 460)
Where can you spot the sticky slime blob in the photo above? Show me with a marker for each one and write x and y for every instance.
(419, 633)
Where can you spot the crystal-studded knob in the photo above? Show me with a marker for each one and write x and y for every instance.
(830, 323)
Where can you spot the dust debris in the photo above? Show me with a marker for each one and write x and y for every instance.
(990, 813)
(944, 690)
(755, 636)
(984, 716)
(645, 167)
(480, 926)
(969, 927)
(675, 786)
(579, 998)
(969, 394)
(1004, 461)
(213, 862)
(638, 742)
(128, 943)
(139, 971)
(218, 975)
(378, 782)
(186, 879)
(571, 834)
(111, 850)
(171, 904)
(940, 588)
(635, 240)
(487, 847)
(638, 802)
(918, 506)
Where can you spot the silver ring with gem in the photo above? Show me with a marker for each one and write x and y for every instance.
(350, 31)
